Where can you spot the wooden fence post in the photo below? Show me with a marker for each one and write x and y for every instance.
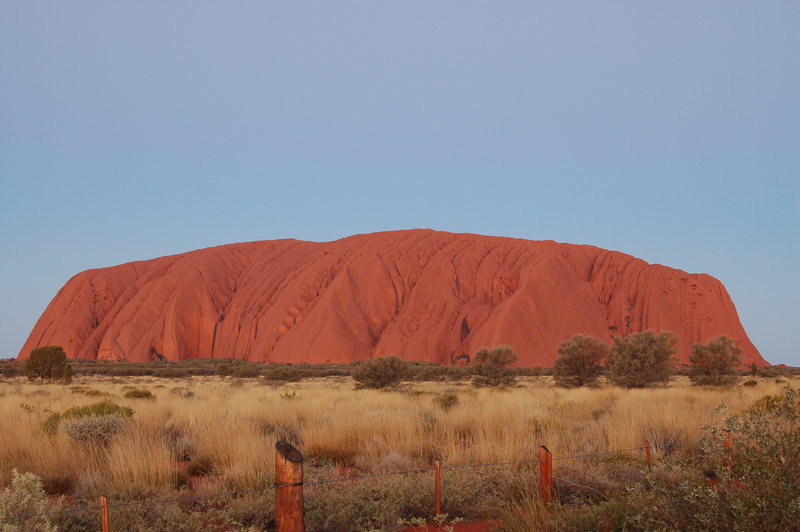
(288, 488)
(438, 475)
(104, 513)
(647, 452)
(545, 474)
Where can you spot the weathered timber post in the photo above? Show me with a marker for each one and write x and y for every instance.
(288, 488)
(647, 452)
(104, 513)
(438, 475)
(545, 474)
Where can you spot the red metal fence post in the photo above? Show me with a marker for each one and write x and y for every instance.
(545, 474)
(438, 475)
(288, 488)
(104, 513)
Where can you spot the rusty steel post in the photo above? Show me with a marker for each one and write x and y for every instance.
(288, 488)
(438, 476)
(545, 474)
(104, 513)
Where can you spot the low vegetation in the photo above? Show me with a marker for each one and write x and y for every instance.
(180, 444)
(98, 436)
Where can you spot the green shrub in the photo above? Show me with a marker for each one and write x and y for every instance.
(283, 373)
(93, 430)
(246, 372)
(67, 375)
(447, 400)
(715, 364)
(490, 366)
(103, 408)
(45, 363)
(642, 359)
(85, 390)
(139, 394)
(750, 382)
(580, 361)
(380, 372)
(25, 496)
(223, 370)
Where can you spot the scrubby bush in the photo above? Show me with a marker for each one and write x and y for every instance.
(246, 371)
(642, 359)
(490, 366)
(580, 361)
(45, 363)
(103, 408)
(715, 364)
(93, 430)
(223, 370)
(67, 375)
(380, 372)
(283, 373)
(139, 394)
(447, 400)
(25, 496)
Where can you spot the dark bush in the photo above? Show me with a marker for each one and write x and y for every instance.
(139, 394)
(580, 361)
(283, 373)
(490, 366)
(642, 359)
(380, 372)
(715, 364)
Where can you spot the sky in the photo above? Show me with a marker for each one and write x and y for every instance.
(669, 131)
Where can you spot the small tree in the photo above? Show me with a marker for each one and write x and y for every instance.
(580, 361)
(715, 364)
(45, 363)
(223, 370)
(380, 372)
(490, 366)
(642, 359)
(67, 376)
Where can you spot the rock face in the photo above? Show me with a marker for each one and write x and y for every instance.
(420, 294)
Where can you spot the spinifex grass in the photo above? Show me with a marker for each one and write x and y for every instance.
(228, 432)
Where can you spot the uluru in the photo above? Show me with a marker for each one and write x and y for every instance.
(420, 294)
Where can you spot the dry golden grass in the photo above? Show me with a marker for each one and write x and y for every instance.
(231, 430)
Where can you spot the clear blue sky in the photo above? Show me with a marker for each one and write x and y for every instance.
(666, 130)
